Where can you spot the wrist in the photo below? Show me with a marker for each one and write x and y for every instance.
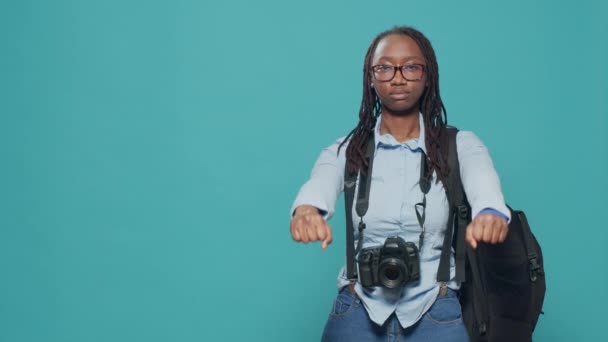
(305, 210)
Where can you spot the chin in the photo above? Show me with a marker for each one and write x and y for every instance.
(401, 110)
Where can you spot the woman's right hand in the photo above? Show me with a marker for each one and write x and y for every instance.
(307, 225)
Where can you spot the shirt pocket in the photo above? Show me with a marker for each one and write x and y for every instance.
(437, 209)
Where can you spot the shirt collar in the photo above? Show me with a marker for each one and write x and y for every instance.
(388, 141)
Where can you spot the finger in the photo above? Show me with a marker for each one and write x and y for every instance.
(328, 237)
(498, 228)
(321, 231)
(488, 230)
(295, 230)
(503, 233)
(469, 236)
(311, 230)
(295, 234)
(477, 228)
(303, 230)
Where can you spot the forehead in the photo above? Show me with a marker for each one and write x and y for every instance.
(397, 48)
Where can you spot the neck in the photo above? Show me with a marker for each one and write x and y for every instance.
(402, 128)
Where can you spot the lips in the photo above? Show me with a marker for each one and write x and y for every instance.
(399, 95)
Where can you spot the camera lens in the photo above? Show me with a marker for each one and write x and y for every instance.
(392, 273)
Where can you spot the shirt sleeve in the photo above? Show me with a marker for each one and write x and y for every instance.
(479, 178)
(326, 181)
(494, 212)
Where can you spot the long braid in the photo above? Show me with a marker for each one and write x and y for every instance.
(432, 108)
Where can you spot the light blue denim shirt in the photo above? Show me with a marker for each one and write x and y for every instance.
(393, 195)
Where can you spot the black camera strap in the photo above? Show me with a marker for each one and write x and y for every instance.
(350, 181)
(362, 204)
(425, 186)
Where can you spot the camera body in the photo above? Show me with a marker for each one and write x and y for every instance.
(392, 265)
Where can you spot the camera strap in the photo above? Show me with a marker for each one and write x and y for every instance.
(350, 180)
(425, 186)
(362, 204)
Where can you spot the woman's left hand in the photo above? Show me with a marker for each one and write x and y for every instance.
(488, 228)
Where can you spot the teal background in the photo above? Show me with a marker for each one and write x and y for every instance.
(150, 152)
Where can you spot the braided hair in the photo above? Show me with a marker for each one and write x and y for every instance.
(433, 111)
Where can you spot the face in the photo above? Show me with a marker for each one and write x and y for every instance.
(399, 96)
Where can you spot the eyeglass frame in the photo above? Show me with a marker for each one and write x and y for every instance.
(400, 68)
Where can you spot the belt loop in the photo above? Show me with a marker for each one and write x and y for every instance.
(351, 288)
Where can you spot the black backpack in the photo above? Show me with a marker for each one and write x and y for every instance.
(503, 285)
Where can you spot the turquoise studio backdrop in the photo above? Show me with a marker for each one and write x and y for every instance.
(150, 152)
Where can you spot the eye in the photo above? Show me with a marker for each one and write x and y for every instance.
(384, 68)
(412, 67)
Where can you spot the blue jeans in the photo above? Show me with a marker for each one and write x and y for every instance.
(349, 322)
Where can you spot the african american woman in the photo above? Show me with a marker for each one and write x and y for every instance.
(402, 111)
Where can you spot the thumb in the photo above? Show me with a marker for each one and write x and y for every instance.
(328, 238)
(324, 244)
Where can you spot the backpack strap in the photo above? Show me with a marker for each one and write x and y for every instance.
(459, 218)
(459, 214)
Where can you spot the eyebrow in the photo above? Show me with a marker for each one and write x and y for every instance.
(407, 58)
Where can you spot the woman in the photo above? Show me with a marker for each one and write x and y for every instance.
(402, 110)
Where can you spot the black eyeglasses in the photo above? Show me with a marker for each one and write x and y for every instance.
(411, 72)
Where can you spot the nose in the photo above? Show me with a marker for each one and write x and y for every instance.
(398, 79)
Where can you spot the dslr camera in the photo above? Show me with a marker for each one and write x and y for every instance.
(392, 265)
